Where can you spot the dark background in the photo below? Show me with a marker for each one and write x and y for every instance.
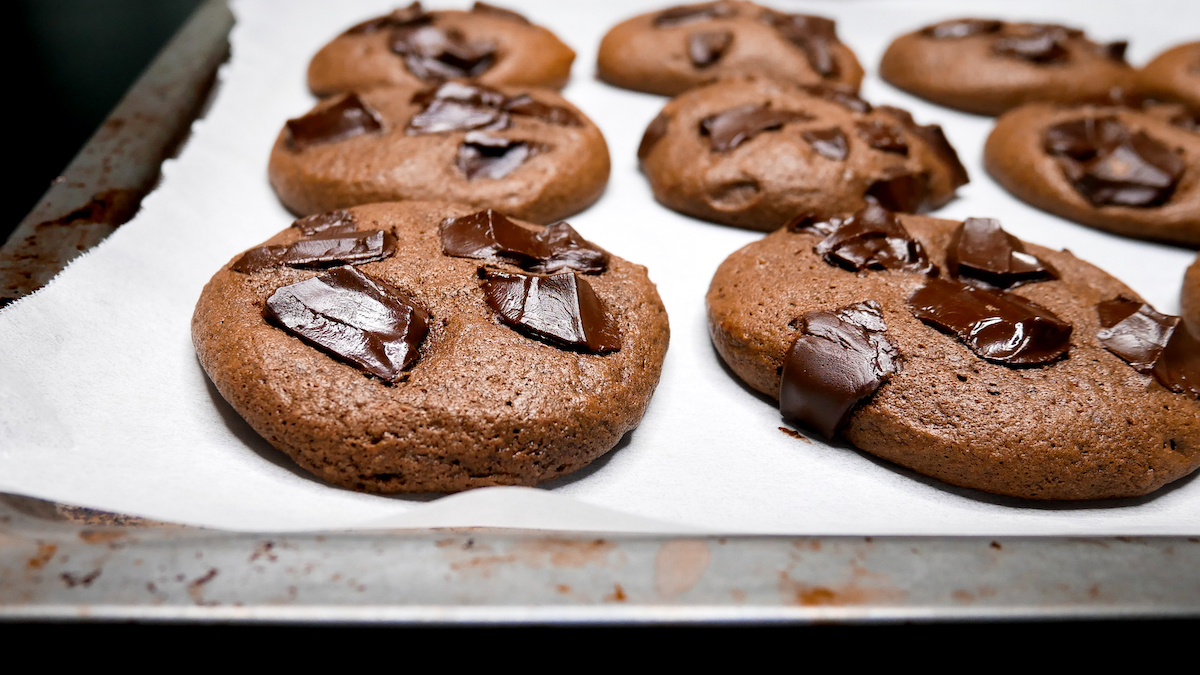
(72, 61)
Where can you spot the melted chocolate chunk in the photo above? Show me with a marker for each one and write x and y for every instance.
(435, 54)
(808, 220)
(654, 134)
(334, 221)
(561, 309)
(961, 28)
(348, 116)
(936, 139)
(982, 250)
(458, 106)
(325, 249)
(485, 8)
(358, 319)
(906, 192)
(707, 47)
(882, 136)
(872, 239)
(490, 234)
(815, 35)
(524, 104)
(401, 16)
(1150, 342)
(840, 358)
(845, 99)
(1036, 42)
(1109, 166)
(483, 156)
(829, 143)
(997, 325)
(731, 128)
(685, 14)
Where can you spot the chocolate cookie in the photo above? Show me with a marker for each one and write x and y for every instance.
(1190, 297)
(424, 347)
(1173, 75)
(753, 153)
(963, 353)
(489, 45)
(673, 50)
(1117, 169)
(527, 152)
(987, 67)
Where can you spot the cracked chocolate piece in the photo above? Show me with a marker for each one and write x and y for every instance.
(997, 325)
(358, 319)
(882, 136)
(829, 143)
(331, 221)
(706, 47)
(1109, 165)
(561, 309)
(1152, 343)
(731, 128)
(490, 234)
(461, 106)
(324, 249)
(432, 53)
(961, 28)
(1040, 45)
(982, 250)
(345, 118)
(873, 239)
(840, 358)
(483, 156)
(686, 14)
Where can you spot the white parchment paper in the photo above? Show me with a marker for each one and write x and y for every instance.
(103, 404)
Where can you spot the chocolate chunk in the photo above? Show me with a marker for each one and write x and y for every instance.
(654, 134)
(435, 54)
(731, 128)
(325, 249)
(490, 234)
(1115, 50)
(873, 239)
(1151, 343)
(347, 117)
(809, 221)
(839, 359)
(881, 136)
(936, 139)
(1039, 43)
(485, 8)
(997, 325)
(1109, 166)
(334, 221)
(524, 104)
(561, 309)
(483, 156)
(961, 28)
(815, 35)
(356, 318)
(830, 143)
(905, 192)
(458, 106)
(685, 14)
(401, 16)
(982, 250)
(707, 47)
(843, 98)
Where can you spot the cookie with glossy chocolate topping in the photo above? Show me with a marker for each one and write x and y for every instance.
(986, 66)
(410, 46)
(1117, 169)
(527, 152)
(670, 51)
(406, 374)
(753, 153)
(1173, 75)
(1078, 423)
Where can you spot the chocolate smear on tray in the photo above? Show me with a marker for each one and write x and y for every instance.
(561, 309)
(333, 221)
(961, 28)
(491, 235)
(483, 156)
(707, 47)
(872, 239)
(997, 325)
(840, 358)
(432, 53)
(654, 134)
(729, 129)
(485, 8)
(829, 143)
(325, 249)
(936, 139)
(1151, 343)
(348, 116)
(457, 106)
(401, 16)
(358, 319)
(1111, 166)
(815, 35)
(882, 136)
(685, 14)
(980, 249)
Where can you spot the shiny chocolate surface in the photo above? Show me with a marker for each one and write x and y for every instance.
(491, 235)
(435, 54)
(484, 156)
(961, 28)
(839, 358)
(936, 139)
(873, 239)
(707, 47)
(347, 117)
(561, 309)
(1110, 165)
(333, 221)
(325, 249)
(1151, 342)
(460, 106)
(829, 143)
(358, 319)
(981, 250)
(1036, 42)
(731, 128)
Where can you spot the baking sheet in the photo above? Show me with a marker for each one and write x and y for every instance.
(103, 404)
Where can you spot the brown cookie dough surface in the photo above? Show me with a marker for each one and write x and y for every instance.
(753, 153)
(986, 66)
(1173, 75)
(1145, 182)
(410, 46)
(670, 51)
(1190, 297)
(483, 404)
(1084, 426)
(541, 163)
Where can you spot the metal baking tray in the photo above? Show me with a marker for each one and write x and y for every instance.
(61, 562)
